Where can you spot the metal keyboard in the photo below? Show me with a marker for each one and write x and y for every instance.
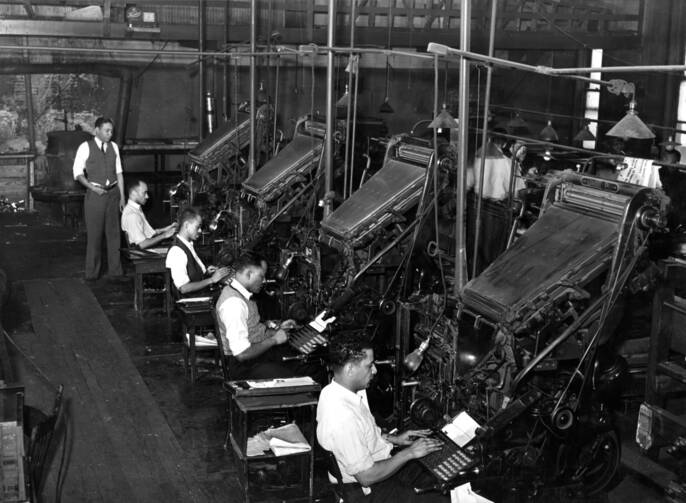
(450, 461)
(307, 339)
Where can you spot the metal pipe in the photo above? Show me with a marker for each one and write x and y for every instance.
(276, 105)
(463, 118)
(618, 69)
(354, 131)
(201, 67)
(353, 69)
(484, 139)
(328, 165)
(225, 69)
(253, 110)
(445, 50)
(192, 55)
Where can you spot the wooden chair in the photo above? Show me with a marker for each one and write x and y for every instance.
(220, 346)
(225, 378)
(41, 438)
(332, 467)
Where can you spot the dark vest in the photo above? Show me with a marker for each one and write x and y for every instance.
(257, 331)
(101, 167)
(192, 269)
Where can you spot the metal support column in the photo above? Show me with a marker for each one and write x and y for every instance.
(330, 112)
(463, 117)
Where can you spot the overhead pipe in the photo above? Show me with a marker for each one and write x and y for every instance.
(463, 118)
(445, 50)
(253, 83)
(330, 111)
(193, 55)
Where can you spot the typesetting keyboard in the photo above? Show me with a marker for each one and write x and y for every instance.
(448, 462)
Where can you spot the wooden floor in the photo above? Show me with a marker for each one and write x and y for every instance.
(119, 440)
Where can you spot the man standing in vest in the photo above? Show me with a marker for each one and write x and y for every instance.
(247, 341)
(188, 272)
(97, 166)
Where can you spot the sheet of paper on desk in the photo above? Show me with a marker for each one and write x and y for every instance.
(464, 494)
(461, 429)
(287, 381)
(190, 300)
(287, 439)
(161, 250)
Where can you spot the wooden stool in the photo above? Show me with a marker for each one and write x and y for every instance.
(146, 263)
(299, 407)
(194, 317)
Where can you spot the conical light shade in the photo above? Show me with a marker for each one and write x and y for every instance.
(386, 107)
(517, 125)
(444, 120)
(548, 133)
(670, 143)
(630, 126)
(584, 135)
(344, 100)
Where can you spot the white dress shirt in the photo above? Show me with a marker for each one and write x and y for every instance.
(177, 261)
(233, 313)
(84, 151)
(134, 223)
(346, 427)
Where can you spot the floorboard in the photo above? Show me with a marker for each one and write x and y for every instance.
(121, 442)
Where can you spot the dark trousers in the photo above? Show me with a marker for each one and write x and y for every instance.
(397, 488)
(266, 366)
(101, 214)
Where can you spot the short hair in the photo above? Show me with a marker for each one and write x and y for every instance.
(187, 214)
(349, 348)
(103, 120)
(134, 185)
(247, 259)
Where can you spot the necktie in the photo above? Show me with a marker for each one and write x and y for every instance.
(102, 147)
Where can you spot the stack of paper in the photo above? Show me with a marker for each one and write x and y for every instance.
(282, 382)
(200, 341)
(286, 440)
(257, 445)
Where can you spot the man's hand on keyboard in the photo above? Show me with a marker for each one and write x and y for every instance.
(409, 436)
(423, 446)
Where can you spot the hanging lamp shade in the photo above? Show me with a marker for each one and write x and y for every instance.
(386, 107)
(444, 120)
(669, 144)
(344, 100)
(584, 135)
(517, 126)
(548, 133)
(630, 126)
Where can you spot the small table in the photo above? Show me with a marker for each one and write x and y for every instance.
(194, 315)
(149, 262)
(301, 408)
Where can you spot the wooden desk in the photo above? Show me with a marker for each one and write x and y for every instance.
(195, 316)
(300, 408)
(149, 262)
